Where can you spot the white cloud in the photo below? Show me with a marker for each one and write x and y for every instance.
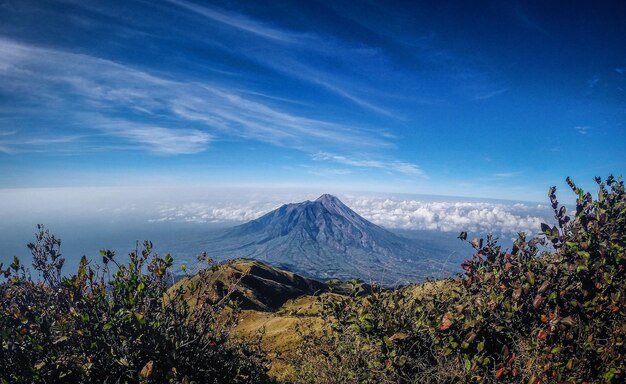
(406, 168)
(212, 212)
(505, 174)
(161, 140)
(480, 217)
(394, 166)
(236, 21)
(582, 129)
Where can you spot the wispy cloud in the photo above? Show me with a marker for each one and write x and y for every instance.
(393, 166)
(353, 70)
(164, 141)
(51, 140)
(292, 46)
(582, 129)
(6, 150)
(346, 94)
(591, 83)
(13, 142)
(236, 21)
(506, 174)
(326, 172)
(166, 116)
(490, 94)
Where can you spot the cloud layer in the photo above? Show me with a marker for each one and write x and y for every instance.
(211, 212)
(447, 216)
(478, 217)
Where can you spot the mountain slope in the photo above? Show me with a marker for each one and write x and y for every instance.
(326, 239)
(254, 285)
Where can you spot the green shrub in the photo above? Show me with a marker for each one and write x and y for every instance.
(116, 323)
(559, 316)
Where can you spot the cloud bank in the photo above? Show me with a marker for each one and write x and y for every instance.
(211, 212)
(448, 216)
(393, 213)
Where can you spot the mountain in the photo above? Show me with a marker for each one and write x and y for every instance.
(325, 239)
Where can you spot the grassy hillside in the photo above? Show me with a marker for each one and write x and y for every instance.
(283, 310)
(252, 284)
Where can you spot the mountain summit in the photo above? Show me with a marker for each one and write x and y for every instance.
(325, 239)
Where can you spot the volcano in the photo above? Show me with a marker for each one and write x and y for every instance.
(325, 239)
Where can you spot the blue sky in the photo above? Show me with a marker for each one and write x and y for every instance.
(484, 99)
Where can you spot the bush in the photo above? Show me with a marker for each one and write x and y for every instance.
(116, 323)
(550, 310)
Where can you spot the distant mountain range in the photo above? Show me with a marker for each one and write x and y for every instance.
(325, 239)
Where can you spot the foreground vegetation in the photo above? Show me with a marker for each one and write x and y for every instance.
(121, 326)
(551, 309)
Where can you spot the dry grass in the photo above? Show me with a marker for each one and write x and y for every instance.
(279, 330)
(254, 285)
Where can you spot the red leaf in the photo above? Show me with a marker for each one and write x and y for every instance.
(511, 359)
(500, 372)
(538, 301)
(446, 322)
(542, 335)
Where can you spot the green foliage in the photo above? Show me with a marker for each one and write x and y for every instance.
(116, 323)
(550, 310)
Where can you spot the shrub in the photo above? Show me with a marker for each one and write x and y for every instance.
(116, 323)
